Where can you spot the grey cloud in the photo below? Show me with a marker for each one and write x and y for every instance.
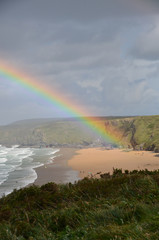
(126, 99)
(56, 57)
(79, 48)
(146, 46)
(84, 10)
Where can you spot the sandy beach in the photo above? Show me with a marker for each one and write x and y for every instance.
(71, 164)
(94, 160)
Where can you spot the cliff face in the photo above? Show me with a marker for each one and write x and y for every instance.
(140, 133)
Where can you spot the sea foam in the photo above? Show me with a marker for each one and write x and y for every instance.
(17, 166)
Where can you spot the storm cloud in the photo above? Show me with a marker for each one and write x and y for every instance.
(102, 55)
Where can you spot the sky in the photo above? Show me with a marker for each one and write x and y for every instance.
(100, 54)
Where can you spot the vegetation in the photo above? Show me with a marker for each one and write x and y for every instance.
(138, 132)
(46, 132)
(121, 206)
(69, 132)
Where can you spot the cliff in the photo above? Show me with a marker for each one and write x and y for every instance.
(140, 133)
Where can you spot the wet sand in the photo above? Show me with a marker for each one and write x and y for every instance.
(93, 160)
(58, 171)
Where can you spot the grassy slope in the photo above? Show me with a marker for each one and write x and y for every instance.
(139, 131)
(53, 132)
(68, 132)
(124, 206)
(48, 131)
(147, 131)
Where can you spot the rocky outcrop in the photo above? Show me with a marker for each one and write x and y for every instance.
(132, 139)
(139, 133)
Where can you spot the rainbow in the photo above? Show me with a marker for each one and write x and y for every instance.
(59, 101)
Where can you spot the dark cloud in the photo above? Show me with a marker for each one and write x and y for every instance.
(97, 53)
(83, 10)
(146, 45)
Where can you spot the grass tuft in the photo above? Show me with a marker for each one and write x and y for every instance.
(121, 206)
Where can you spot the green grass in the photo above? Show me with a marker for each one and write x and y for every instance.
(44, 133)
(146, 131)
(121, 206)
(139, 132)
(69, 132)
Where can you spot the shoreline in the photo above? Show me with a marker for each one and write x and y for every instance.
(73, 164)
(58, 171)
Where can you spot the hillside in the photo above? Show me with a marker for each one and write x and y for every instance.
(69, 132)
(121, 206)
(56, 132)
(138, 132)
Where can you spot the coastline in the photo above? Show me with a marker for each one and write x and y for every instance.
(72, 164)
(58, 171)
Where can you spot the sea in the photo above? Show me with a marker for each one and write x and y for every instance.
(17, 166)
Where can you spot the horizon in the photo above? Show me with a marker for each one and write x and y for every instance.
(75, 118)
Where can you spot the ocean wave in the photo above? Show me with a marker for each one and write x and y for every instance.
(3, 160)
(53, 152)
(17, 166)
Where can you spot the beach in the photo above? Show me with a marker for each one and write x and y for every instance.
(97, 160)
(72, 164)
(58, 171)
